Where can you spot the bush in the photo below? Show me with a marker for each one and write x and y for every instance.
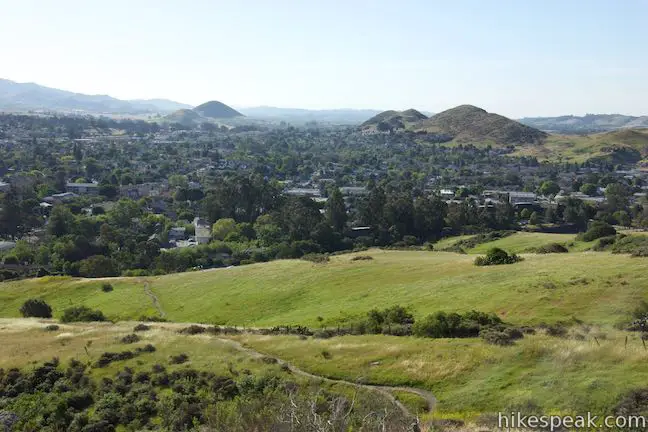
(109, 357)
(552, 248)
(502, 337)
(106, 287)
(179, 359)
(141, 327)
(604, 243)
(637, 245)
(497, 256)
(11, 260)
(129, 339)
(36, 308)
(82, 314)
(597, 229)
(51, 327)
(193, 329)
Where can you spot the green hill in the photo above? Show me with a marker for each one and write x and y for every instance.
(549, 288)
(185, 117)
(467, 123)
(216, 110)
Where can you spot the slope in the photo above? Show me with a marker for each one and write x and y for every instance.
(297, 292)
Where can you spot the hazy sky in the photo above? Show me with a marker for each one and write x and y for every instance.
(514, 57)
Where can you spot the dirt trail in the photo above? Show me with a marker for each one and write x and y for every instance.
(156, 301)
(385, 390)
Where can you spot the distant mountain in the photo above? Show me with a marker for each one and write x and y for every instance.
(587, 124)
(298, 115)
(33, 97)
(467, 123)
(393, 120)
(216, 110)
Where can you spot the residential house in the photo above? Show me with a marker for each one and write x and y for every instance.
(83, 188)
(177, 233)
(203, 234)
(4, 187)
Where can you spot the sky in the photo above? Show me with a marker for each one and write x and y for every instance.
(514, 57)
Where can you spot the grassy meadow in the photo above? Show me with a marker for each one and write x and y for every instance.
(595, 287)
(469, 377)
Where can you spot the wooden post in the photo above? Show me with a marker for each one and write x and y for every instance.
(626, 342)
(597, 342)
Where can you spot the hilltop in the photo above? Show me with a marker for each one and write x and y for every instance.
(216, 110)
(392, 120)
(467, 123)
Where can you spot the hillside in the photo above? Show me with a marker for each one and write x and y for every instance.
(619, 146)
(393, 120)
(590, 123)
(467, 123)
(217, 110)
(29, 96)
(297, 292)
(185, 117)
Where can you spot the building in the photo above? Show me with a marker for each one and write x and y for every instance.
(4, 187)
(518, 198)
(203, 234)
(83, 188)
(59, 198)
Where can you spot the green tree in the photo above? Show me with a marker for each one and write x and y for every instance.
(549, 187)
(61, 221)
(336, 214)
(98, 266)
(222, 228)
(534, 219)
(589, 189)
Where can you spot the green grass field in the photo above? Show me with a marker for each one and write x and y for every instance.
(598, 288)
(523, 241)
(469, 377)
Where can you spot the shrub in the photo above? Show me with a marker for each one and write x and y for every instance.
(81, 314)
(497, 256)
(637, 245)
(178, 359)
(109, 357)
(552, 248)
(597, 229)
(604, 243)
(36, 308)
(193, 329)
(51, 327)
(106, 287)
(129, 339)
(141, 327)
(11, 260)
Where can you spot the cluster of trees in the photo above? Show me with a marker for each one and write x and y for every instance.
(51, 397)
